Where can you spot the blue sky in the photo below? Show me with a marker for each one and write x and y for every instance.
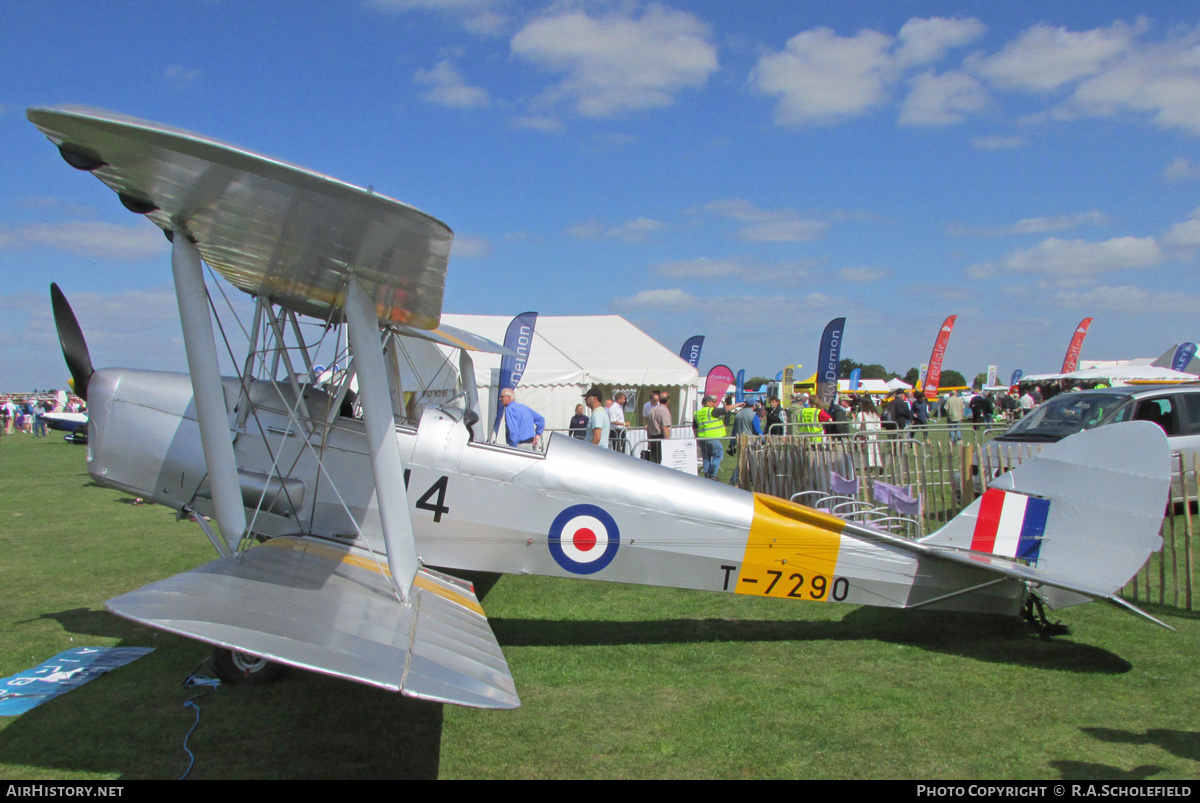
(745, 171)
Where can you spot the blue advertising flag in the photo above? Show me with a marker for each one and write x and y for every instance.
(690, 352)
(518, 338)
(827, 361)
(1016, 377)
(740, 387)
(854, 376)
(1183, 355)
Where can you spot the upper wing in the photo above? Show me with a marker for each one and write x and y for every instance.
(270, 228)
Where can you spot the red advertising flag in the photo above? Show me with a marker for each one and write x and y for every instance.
(720, 377)
(934, 376)
(1071, 361)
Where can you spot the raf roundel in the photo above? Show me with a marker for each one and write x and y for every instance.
(584, 539)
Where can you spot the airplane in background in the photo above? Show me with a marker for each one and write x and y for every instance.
(74, 424)
(329, 525)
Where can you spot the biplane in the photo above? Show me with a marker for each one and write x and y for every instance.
(342, 512)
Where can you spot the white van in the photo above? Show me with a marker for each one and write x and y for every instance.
(1175, 408)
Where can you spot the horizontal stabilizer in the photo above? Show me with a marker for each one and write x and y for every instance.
(324, 607)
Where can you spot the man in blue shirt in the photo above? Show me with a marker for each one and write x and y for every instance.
(523, 426)
(600, 422)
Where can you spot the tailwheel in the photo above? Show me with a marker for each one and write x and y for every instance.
(1035, 614)
(243, 669)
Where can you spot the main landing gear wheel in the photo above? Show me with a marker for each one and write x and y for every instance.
(242, 669)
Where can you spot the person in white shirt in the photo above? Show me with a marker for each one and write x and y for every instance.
(616, 414)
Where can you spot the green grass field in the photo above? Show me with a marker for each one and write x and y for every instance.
(616, 681)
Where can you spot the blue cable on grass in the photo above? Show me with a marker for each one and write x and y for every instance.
(210, 687)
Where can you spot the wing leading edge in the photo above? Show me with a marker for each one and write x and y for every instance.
(323, 607)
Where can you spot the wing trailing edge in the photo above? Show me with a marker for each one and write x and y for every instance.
(321, 606)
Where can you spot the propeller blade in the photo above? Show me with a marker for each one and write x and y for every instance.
(70, 337)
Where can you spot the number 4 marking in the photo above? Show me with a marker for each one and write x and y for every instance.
(439, 505)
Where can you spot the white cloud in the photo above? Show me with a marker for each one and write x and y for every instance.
(863, 274)
(1185, 235)
(619, 62)
(997, 143)
(1180, 169)
(941, 292)
(545, 123)
(59, 205)
(763, 225)
(1030, 225)
(447, 87)
(821, 78)
(181, 75)
(1057, 259)
(942, 99)
(587, 230)
(1044, 58)
(90, 238)
(477, 16)
(1126, 299)
(130, 311)
(471, 246)
(637, 230)
(769, 311)
(739, 269)
(1162, 80)
(674, 297)
(926, 40)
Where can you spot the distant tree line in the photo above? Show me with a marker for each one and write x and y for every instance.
(950, 379)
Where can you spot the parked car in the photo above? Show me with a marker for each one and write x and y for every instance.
(1175, 408)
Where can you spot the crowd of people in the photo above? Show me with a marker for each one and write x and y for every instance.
(718, 422)
(24, 415)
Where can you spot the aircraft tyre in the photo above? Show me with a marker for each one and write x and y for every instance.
(242, 669)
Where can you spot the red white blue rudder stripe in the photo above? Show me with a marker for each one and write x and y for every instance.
(1010, 524)
(584, 539)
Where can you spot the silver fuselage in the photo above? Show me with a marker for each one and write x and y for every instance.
(575, 510)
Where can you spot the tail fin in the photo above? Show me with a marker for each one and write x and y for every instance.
(1082, 515)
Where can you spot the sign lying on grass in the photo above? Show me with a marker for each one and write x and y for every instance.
(62, 673)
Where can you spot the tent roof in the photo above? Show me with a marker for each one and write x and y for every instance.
(864, 386)
(587, 349)
(1132, 372)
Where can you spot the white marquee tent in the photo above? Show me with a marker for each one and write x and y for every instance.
(568, 355)
(1130, 373)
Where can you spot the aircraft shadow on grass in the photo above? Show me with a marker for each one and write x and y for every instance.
(1182, 744)
(978, 637)
(131, 722)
